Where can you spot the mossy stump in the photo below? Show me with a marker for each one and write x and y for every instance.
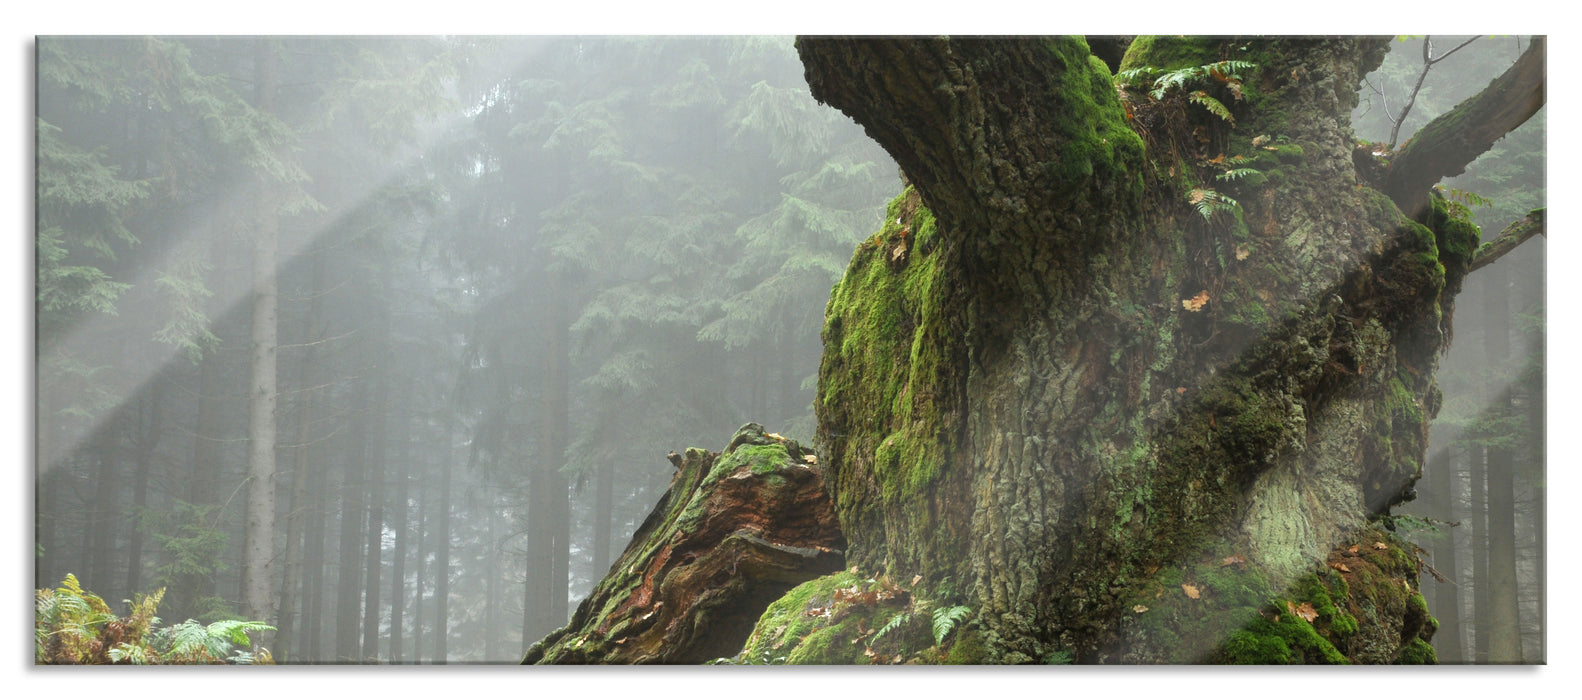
(735, 531)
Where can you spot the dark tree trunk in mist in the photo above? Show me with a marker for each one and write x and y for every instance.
(376, 518)
(1504, 631)
(206, 466)
(1478, 537)
(100, 543)
(442, 561)
(603, 514)
(400, 519)
(549, 524)
(349, 579)
(305, 503)
(492, 628)
(150, 428)
(1105, 387)
(421, 547)
(1445, 476)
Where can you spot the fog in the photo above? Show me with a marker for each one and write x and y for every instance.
(476, 289)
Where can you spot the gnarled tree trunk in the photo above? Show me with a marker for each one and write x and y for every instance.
(1121, 369)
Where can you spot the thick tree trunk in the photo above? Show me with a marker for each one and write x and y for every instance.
(735, 531)
(1063, 379)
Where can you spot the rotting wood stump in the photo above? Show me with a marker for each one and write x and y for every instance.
(734, 532)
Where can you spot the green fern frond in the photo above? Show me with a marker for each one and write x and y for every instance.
(1209, 203)
(1238, 174)
(236, 630)
(1214, 107)
(1135, 76)
(900, 620)
(946, 619)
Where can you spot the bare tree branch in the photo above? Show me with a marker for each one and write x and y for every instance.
(1428, 64)
(1514, 235)
(1447, 144)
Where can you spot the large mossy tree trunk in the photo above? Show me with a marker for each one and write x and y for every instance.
(1116, 374)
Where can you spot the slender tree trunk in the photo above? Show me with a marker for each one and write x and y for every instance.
(1447, 599)
(422, 547)
(312, 626)
(259, 548)
(304, 460)
(402, 534)
(544, 602)
(45, 490)
(1477, 516)
(151, 428)
(442, 562)
(1505, 642)
(349, 580)
(1537, 463)
(101, 548)
(376, 520)
(492, 556)
(603, 516)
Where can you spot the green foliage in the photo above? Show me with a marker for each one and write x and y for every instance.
(1238, 174)
(191, 536)
(945, 620)
(1210, 203)
(73, 626)
(1162, 83)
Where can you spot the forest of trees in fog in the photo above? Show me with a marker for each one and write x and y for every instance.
(512, 275)
(384, 341)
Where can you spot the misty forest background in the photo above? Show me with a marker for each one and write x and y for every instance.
(509, 276)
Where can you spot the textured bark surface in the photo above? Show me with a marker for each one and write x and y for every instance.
(735, 531)
(1056, 383)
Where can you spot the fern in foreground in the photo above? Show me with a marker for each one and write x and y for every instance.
(73, 626)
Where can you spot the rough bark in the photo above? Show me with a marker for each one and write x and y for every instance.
(735, 531)
(259, 547)
(1053, 379)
